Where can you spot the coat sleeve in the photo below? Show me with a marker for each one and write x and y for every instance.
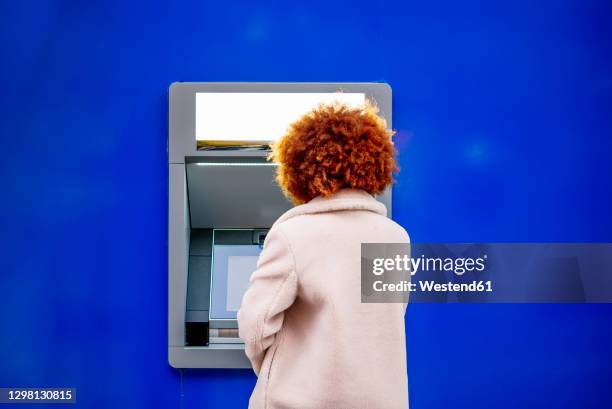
(272, 289)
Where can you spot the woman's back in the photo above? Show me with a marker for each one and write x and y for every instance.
(329, 350)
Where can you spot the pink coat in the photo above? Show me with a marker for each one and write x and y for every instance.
(311, 341)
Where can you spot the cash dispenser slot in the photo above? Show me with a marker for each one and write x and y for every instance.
(198, 287)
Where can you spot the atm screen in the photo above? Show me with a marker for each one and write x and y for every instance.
(239, 269)
(234, 118)
(231, 270)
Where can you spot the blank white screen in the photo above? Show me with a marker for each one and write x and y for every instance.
(264, 117)
(239, 270)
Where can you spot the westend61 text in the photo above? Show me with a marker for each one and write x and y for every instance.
(432, 286)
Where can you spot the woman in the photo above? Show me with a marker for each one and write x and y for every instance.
(311, 341)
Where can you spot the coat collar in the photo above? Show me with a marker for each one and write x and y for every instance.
(344, 199)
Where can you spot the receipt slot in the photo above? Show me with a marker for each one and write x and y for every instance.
(223, 199)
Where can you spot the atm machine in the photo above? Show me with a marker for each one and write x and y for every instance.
(223, 199)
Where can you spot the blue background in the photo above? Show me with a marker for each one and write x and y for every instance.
(504, 131)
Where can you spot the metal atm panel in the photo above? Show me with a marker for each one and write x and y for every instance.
(223, 196)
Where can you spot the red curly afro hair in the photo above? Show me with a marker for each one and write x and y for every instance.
(334, 147)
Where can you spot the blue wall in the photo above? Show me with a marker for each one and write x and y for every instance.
(505, 134)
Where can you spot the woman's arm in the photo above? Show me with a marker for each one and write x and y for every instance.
(272, 290)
